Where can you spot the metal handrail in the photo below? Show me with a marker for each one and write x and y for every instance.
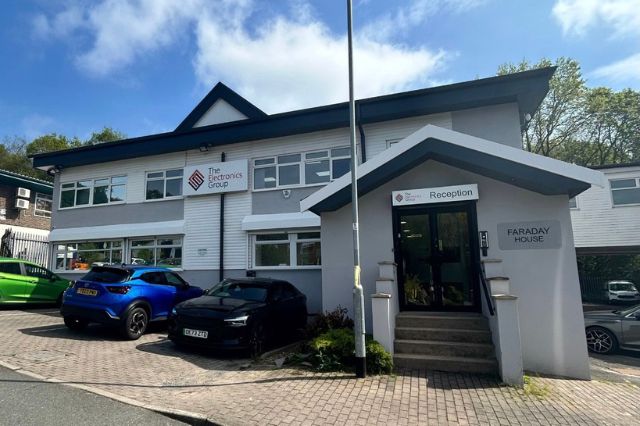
(485, 288)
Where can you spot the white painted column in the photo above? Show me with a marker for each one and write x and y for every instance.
(509, 347)
(383, 320)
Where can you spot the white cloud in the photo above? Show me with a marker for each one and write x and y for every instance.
(625, 70)
(34, 125)
(284, 62)
(578, 16)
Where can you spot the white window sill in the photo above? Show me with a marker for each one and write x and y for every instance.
(156, 200)
(90, 206)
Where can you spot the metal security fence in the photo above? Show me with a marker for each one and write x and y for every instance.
(22, 245)
(594, 288)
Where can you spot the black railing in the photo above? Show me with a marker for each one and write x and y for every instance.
(485, 291)
(21, 245)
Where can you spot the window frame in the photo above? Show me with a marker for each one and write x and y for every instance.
(55, 251)
(577, 206)
(292, 240)
(155, 246)
(164, 179)
(91, 189)
(40, 195)
(301, 165)
(611, 191)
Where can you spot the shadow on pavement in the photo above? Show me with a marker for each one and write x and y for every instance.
(447, 381)
(91, 333)
(48, 309)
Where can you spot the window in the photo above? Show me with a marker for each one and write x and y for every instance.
(286, 250)
(573, 203)
(37, 272)
(159, 251)
(94, 192)
(625, 191)
(81, 256)
(43, 205)
(10, 268)
(174, 279)
(154, 278)
(164, 184)
(310, 168)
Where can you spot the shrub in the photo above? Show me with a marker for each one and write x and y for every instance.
(335, 351)
(330, 320)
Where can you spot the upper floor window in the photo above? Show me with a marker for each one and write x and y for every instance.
(310, 168)
(625, 191)
(164, 184)
(43, 205)
(93, 192)
(573, 203)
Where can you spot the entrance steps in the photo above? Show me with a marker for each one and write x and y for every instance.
(456, 342)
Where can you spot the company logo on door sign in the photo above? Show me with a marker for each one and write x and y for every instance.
(399, 197)
(196, 180)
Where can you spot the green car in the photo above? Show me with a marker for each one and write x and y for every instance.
(26, 282)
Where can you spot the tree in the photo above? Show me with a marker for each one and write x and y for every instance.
(560, 116)
(107, 134)
(51, 142)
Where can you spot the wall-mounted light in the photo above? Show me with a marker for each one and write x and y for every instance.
(204, 148)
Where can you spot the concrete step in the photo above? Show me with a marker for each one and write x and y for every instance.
(461, 320)
(446, 363)
(454, 349)
(443, 334)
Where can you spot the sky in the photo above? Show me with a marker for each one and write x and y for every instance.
(140, 66)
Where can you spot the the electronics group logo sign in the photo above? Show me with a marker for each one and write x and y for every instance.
(216, 178)
(443, 194)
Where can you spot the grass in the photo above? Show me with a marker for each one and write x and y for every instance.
(533, 388)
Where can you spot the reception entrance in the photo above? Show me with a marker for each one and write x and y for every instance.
(437, 255)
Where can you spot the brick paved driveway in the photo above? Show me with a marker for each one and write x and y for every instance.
(235, 391)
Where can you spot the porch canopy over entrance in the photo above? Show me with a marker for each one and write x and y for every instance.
(513, 166)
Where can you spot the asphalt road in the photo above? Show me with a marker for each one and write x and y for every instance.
(27, 401)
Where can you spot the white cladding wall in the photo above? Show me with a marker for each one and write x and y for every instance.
(596, 223)
(377, 135)
(220, 112)
(546, 281)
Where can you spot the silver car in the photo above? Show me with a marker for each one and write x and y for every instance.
(608, 331)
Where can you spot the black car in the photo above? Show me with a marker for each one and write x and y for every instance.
(239, 314)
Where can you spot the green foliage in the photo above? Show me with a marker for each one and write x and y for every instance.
(335, 351)
(534, 388)
(586, 126)
(329, 320)
(15, 152)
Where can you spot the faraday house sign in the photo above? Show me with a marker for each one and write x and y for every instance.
(442, 194)
(529, 235)
(215, 178)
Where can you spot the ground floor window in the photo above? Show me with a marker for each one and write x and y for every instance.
(82, 255)
(285, 250)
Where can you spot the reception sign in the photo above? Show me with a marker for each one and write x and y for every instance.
(443, 194)
(216, 178)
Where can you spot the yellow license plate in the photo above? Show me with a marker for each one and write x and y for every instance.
(87, 291)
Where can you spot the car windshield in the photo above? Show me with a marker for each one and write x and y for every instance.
(240, 290)
(106, 275)
(622, 287)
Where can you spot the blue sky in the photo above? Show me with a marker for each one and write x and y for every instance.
(140, 66)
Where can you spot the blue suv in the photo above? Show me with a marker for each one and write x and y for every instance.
(126, 296)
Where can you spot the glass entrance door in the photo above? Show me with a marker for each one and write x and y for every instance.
(436, 266)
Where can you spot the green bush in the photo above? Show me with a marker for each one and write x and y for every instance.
(335, 351)
(329, 320)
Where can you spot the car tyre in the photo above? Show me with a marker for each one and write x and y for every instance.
(75, 324)
(601, 341)
(135, 324)
(256, 340)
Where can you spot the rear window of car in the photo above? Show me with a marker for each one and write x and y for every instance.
(10, 268)
(240, 290)
(106, 275)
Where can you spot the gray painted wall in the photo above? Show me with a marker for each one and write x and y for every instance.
(546, 281)
(118, 214)
(269, 202)
(498, 123)
(307, 281)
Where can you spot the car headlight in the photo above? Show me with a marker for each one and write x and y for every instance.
(237, 321)
(174, 312)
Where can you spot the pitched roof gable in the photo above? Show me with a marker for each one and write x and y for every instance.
(220, 92)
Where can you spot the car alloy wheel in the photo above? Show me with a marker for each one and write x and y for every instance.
(256, 341)
(600, 340)
(136, 323)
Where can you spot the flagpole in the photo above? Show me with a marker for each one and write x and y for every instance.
(358, 295)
